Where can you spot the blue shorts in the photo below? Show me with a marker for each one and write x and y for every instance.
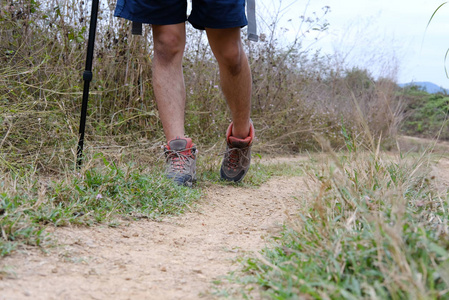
(205, 13)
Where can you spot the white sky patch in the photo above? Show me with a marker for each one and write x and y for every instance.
(382, 30)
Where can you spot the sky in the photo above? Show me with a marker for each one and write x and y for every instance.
(388, 37)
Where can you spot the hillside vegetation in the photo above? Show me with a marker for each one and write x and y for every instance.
(425, 115)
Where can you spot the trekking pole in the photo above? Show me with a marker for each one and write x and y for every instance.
(87, 77)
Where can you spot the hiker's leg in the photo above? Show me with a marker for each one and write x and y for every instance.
(235, 76)
(168, 80)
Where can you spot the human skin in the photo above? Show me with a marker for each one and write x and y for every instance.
(169, 88)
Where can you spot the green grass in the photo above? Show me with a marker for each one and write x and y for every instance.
(105, 194)
(374, 229)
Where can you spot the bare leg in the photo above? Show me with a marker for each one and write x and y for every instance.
(168, 80)
(235, 76)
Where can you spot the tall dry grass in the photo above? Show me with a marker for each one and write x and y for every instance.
(297, 93)
(372, 227)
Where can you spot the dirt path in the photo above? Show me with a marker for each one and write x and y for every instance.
(177, 258)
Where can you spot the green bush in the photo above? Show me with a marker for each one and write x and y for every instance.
(426, 115)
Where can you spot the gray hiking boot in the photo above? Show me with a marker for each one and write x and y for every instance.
(237, 157)
(180, 156)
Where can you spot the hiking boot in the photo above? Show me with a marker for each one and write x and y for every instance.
(180, 156)
(237, 157)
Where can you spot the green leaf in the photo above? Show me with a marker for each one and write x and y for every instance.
(435, 13)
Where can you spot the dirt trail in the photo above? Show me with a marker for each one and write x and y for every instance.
(177, 258)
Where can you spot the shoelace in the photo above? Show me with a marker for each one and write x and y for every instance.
(233, 157)
(178, 159)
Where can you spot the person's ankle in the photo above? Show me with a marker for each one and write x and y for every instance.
(248, 136)
(241, 132)
(176, 137)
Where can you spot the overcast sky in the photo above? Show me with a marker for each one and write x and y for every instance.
(381, 35)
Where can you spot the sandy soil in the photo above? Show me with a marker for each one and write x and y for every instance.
(177, 258)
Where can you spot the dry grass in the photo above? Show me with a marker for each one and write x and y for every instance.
(43, 51)
(373, 227)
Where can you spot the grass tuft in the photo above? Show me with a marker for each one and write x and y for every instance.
(374, 228)
(103, 195)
